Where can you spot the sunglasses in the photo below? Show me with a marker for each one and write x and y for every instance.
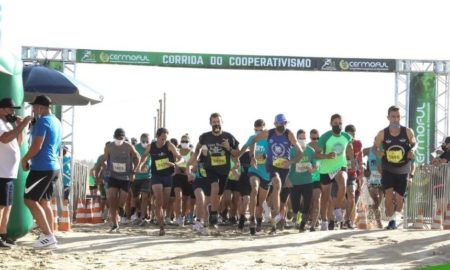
(314, 139)
(184, 141)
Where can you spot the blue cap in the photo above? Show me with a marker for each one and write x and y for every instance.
(280, 119)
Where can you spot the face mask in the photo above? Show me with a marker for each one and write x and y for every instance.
(144, 144)
(118, 142)
(185, 145)
(216, 128)
(257, 132)
(336, 129)
(394, 125)
(302, 142)
(11, 118)
(280, 129)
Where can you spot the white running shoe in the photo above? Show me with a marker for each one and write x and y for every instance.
(124, 221)
(134, 217)
(180, 221)
(324, 226)
(45, 241)
(197, 226)
(278, 218)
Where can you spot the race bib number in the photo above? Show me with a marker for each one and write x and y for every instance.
(119, 167)
(375, 178)
(302, 167)
(279, 162)
(162, 164)
(218, 160)
(394, 156)
(260, 160)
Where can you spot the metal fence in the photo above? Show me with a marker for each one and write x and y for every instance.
(428, 196)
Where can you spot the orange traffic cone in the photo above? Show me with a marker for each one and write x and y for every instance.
(437, 221)
(80, 217)
(447, 218)
(362, 219)
(418, 224)
(97, 215)
(64, 221)
(88, 210)
(55, 214)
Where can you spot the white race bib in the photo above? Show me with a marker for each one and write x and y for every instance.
(302, 167)
(119, 167)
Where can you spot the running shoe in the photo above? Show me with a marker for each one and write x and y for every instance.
(331, 225)
(241, 223)
(4, 245)
(180, 221)
(349, 224)
(391, 225)
(258, 224)
(197, 226)
(302, 226)
(114, 228)
(324, 226)
(45, 241)
(252, 226)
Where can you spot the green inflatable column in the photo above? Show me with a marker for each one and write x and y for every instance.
(21, 221)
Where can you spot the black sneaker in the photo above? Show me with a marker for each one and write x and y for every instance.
(349, 225)
(258, 224)
(302, 226)
(233, 221)
(114, 228)
(4, 245)
(162, 232)
(241, 223)
(252, 226)
(331, 225)
(391, 225)
(312, 229)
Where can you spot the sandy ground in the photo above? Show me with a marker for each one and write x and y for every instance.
(92, 247)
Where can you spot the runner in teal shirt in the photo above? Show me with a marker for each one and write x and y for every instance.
(300, 175)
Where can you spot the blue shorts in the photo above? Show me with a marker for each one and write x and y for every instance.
(165, 181)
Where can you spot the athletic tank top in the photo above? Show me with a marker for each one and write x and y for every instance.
(279, 148)
(160, 157)
(119, 162)
(396, 149)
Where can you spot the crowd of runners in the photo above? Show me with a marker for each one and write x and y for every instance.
(303, 180)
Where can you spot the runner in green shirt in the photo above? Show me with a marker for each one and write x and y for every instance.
(333, 148)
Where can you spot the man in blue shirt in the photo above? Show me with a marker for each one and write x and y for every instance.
(44, 169)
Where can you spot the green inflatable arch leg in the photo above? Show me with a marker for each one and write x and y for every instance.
(20, 221)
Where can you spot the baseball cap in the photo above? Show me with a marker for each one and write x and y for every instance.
(8, 103)
(280, 119)
(119, 134)
(42, 100)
